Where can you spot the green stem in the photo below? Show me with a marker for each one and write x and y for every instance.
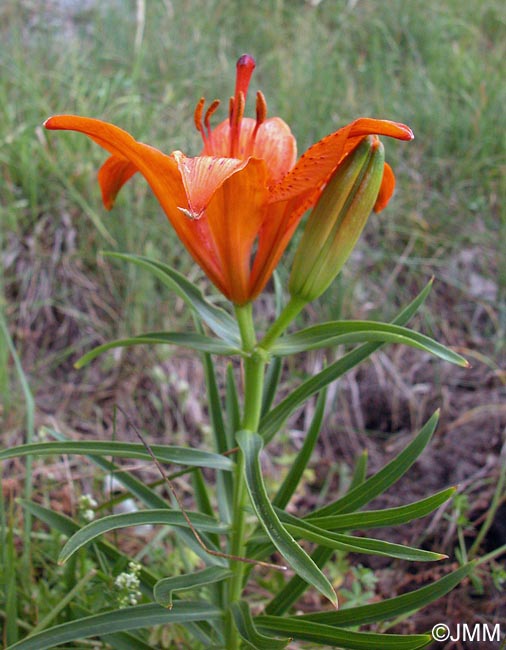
(291, 310)
(254, 367)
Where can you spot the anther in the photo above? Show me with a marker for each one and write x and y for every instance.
(209, 113)
(197, 115)
(261, 108)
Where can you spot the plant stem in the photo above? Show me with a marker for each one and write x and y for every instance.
(291, 310)
(254, 366)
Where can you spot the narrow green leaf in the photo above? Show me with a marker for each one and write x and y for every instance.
(161, 517)
(65, 525)
(191, 340)
(372, 518)
(248, 632)
(272, 421)
(392, 607)
(164, 588)
(134, 486)
(216, 318)
(337, 637)
(153, 500)
(164, 453)
(295, 587)
(360, 470)
(342, 332)
(251, 446)
(366, 545)
(385, 517)
(233, 408)
(129, 618)
(11, 632)
(224, 482)
(118, 640)
(292, 479)
(359, 496)
(382, 480)
(272, 378)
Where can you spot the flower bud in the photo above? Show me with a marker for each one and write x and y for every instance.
(337, 220)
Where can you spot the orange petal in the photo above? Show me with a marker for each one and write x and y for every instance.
(281, 221)
(113, 174)
(235, 215)
(386, 190)
(320, 160)
(275, 144)
(163, 176)
(218, 143)
(202, 176)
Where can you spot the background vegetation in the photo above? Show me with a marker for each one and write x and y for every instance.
(437, 66)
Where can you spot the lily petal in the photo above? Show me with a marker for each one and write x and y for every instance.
(113, 174)
(276, 144)
(281, 221)
(317, 164)
(386, 190)
(202, 176)
(163, 176)
(273, 142)
(234, 216)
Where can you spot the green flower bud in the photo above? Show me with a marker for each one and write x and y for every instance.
(337, 220)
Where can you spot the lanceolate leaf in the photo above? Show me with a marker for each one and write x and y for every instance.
(392, 607)
(296, 470)
(164, 588)
(217, 319)
(223, 481)
(386, 517)
(248, 632)
(192, 340)
(302, 529)
(272, 421)
(360, 470)
(155, 517)
(129, 618)
(65, 525)
(341, 332)
(272, 378)
(295, 587)
(251, 446)
(164, 453)
(382, 480)
(151, 499)
(351, 544)
(355, 498)
(337, 637)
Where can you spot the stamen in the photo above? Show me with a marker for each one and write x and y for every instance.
(209, 148)
(235, 127)
(197, 117)
(261, 114)
(209, 113)
(261, 108)
(230, 110)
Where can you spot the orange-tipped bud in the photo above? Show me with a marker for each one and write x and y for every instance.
(337, 220)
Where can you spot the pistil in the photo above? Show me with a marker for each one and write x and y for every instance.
(245, 66)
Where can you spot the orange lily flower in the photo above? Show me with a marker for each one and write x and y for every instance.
(236, 206)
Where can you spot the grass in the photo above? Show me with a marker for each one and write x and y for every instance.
(439, 67)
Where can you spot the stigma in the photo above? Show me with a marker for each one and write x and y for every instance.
(236, 121)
